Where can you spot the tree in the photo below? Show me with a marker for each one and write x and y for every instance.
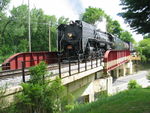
(3, 24)
(40, 23)
(3, 18)
(91, 15)
(14, 31)
(126, 36)
(3, 4)
(147, 36)
(63, 20)
(143, 49)
(113, 26)
(137, 14)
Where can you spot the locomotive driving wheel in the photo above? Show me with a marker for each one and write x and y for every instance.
(88, 51)
(80, 57)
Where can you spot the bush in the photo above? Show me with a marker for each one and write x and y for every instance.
(40, 95)
(133, 84)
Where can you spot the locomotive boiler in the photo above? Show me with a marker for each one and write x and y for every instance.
(82, 39)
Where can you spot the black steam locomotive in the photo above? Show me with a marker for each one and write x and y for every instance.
(82, 39)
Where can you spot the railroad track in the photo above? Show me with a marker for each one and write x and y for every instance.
(18, 72)
(14, 77)
(9, 73)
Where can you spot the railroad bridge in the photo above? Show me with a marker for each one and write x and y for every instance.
(83, 79)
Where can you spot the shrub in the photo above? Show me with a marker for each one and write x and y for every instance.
(133, 84)
(40, 95)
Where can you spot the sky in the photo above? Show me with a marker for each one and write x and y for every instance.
(73, 8)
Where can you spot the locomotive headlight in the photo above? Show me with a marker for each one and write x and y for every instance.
(70, 35)
(69, 47)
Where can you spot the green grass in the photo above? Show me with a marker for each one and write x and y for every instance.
(131, 101)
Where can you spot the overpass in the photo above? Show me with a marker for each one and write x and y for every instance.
(86, 79)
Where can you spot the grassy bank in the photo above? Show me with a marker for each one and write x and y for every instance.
(131, 101)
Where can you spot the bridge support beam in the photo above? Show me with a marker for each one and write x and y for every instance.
(123, 70)
(130, 67)
(109, 85)
(115, 73)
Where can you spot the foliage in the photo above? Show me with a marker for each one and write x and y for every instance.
(130, 101)
(133, 84)
(147, 36)
(143, 49)
(67, 102)
(91, 15)
(63, 20)
(14, 31)
(143, 58)
(126, 36)
(136, 13)
(101, 94)
(5, 52)
(41, 95)
(3, 4)
(113, 26)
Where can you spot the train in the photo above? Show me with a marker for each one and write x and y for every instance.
(82, 40)
(77, 40)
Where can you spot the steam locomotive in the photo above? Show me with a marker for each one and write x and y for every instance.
(82, 39)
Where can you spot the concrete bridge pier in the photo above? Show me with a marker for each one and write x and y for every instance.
(130, 67)
(114, 73)
(123, 70)
(87, 88)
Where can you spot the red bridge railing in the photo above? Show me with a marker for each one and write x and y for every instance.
(115, 58)
(15, 61)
